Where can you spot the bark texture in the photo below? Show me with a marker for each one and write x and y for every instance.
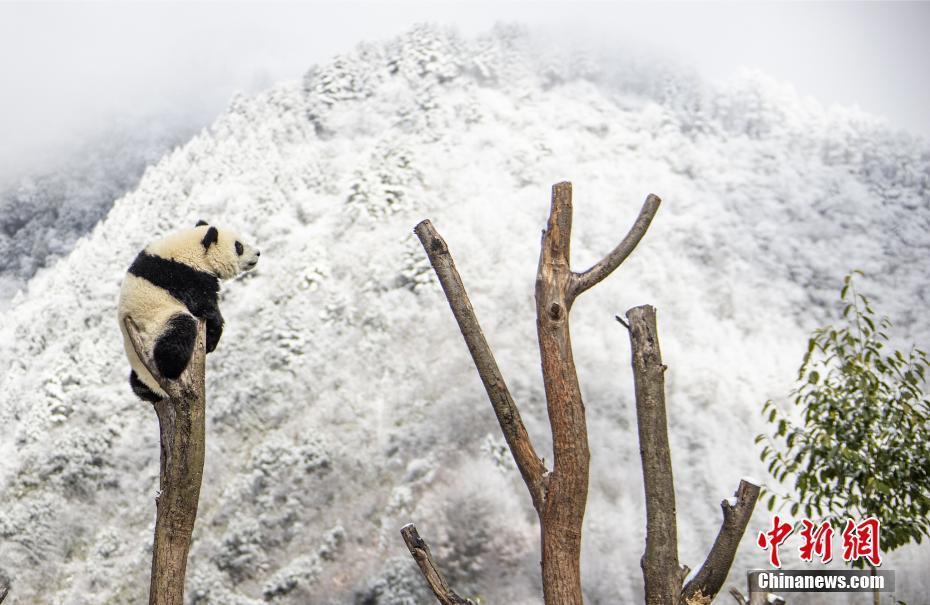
(181, 420)
(560, 495)
(713, 573)
(421, 554)
(661, 572)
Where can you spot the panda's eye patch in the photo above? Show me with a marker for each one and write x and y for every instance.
(239, 248)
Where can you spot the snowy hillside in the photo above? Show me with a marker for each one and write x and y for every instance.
(43, 215)
(342, 402)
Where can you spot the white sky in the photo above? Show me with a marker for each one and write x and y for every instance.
(68, 70)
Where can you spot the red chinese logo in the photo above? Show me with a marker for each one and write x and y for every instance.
(771, 540)
(862, 541)
(817, 541)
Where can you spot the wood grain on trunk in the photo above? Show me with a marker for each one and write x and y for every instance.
(560, 495)
(661, 572)
(181, 420)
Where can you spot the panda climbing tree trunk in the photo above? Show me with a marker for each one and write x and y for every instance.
(181, 420)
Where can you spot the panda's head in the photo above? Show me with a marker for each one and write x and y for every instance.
(223, 253)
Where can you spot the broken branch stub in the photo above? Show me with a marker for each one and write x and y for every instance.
(559, 496)
(713, 573)
(421, 554)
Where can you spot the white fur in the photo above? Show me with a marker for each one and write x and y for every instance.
(151, 307)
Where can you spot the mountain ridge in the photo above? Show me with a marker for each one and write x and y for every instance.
(341, 367)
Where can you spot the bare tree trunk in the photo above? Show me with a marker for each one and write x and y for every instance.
(756, 596)
(562, 514)
(181, 420)
(4, 590)
(559, 496)
(508, 415)
(661, 572)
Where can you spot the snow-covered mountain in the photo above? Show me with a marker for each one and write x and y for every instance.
(342, 401)
(43, 215)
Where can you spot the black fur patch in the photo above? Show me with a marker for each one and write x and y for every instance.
(174, 347)
(140, 389)
(210, 238)
(201, 223)
(196, 289)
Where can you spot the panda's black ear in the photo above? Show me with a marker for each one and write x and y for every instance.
(201, 223)
(210, 238)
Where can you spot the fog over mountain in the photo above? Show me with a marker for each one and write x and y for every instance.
(342, 402)
(43, 214)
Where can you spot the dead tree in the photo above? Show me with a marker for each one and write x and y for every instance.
(559, 495)
(181, 427)
(661, 572)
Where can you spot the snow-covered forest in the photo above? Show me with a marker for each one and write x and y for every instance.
(42, 215)
(342, 402)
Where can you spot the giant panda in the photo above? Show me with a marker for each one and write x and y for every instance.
(172, 283)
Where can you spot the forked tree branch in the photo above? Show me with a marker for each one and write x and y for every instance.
(713, 573)
(661, 572)
(508, 416)
(421, 554)
(584, 281)
(660, 562)
(567, 492)
(181, 421)
(559, 496)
